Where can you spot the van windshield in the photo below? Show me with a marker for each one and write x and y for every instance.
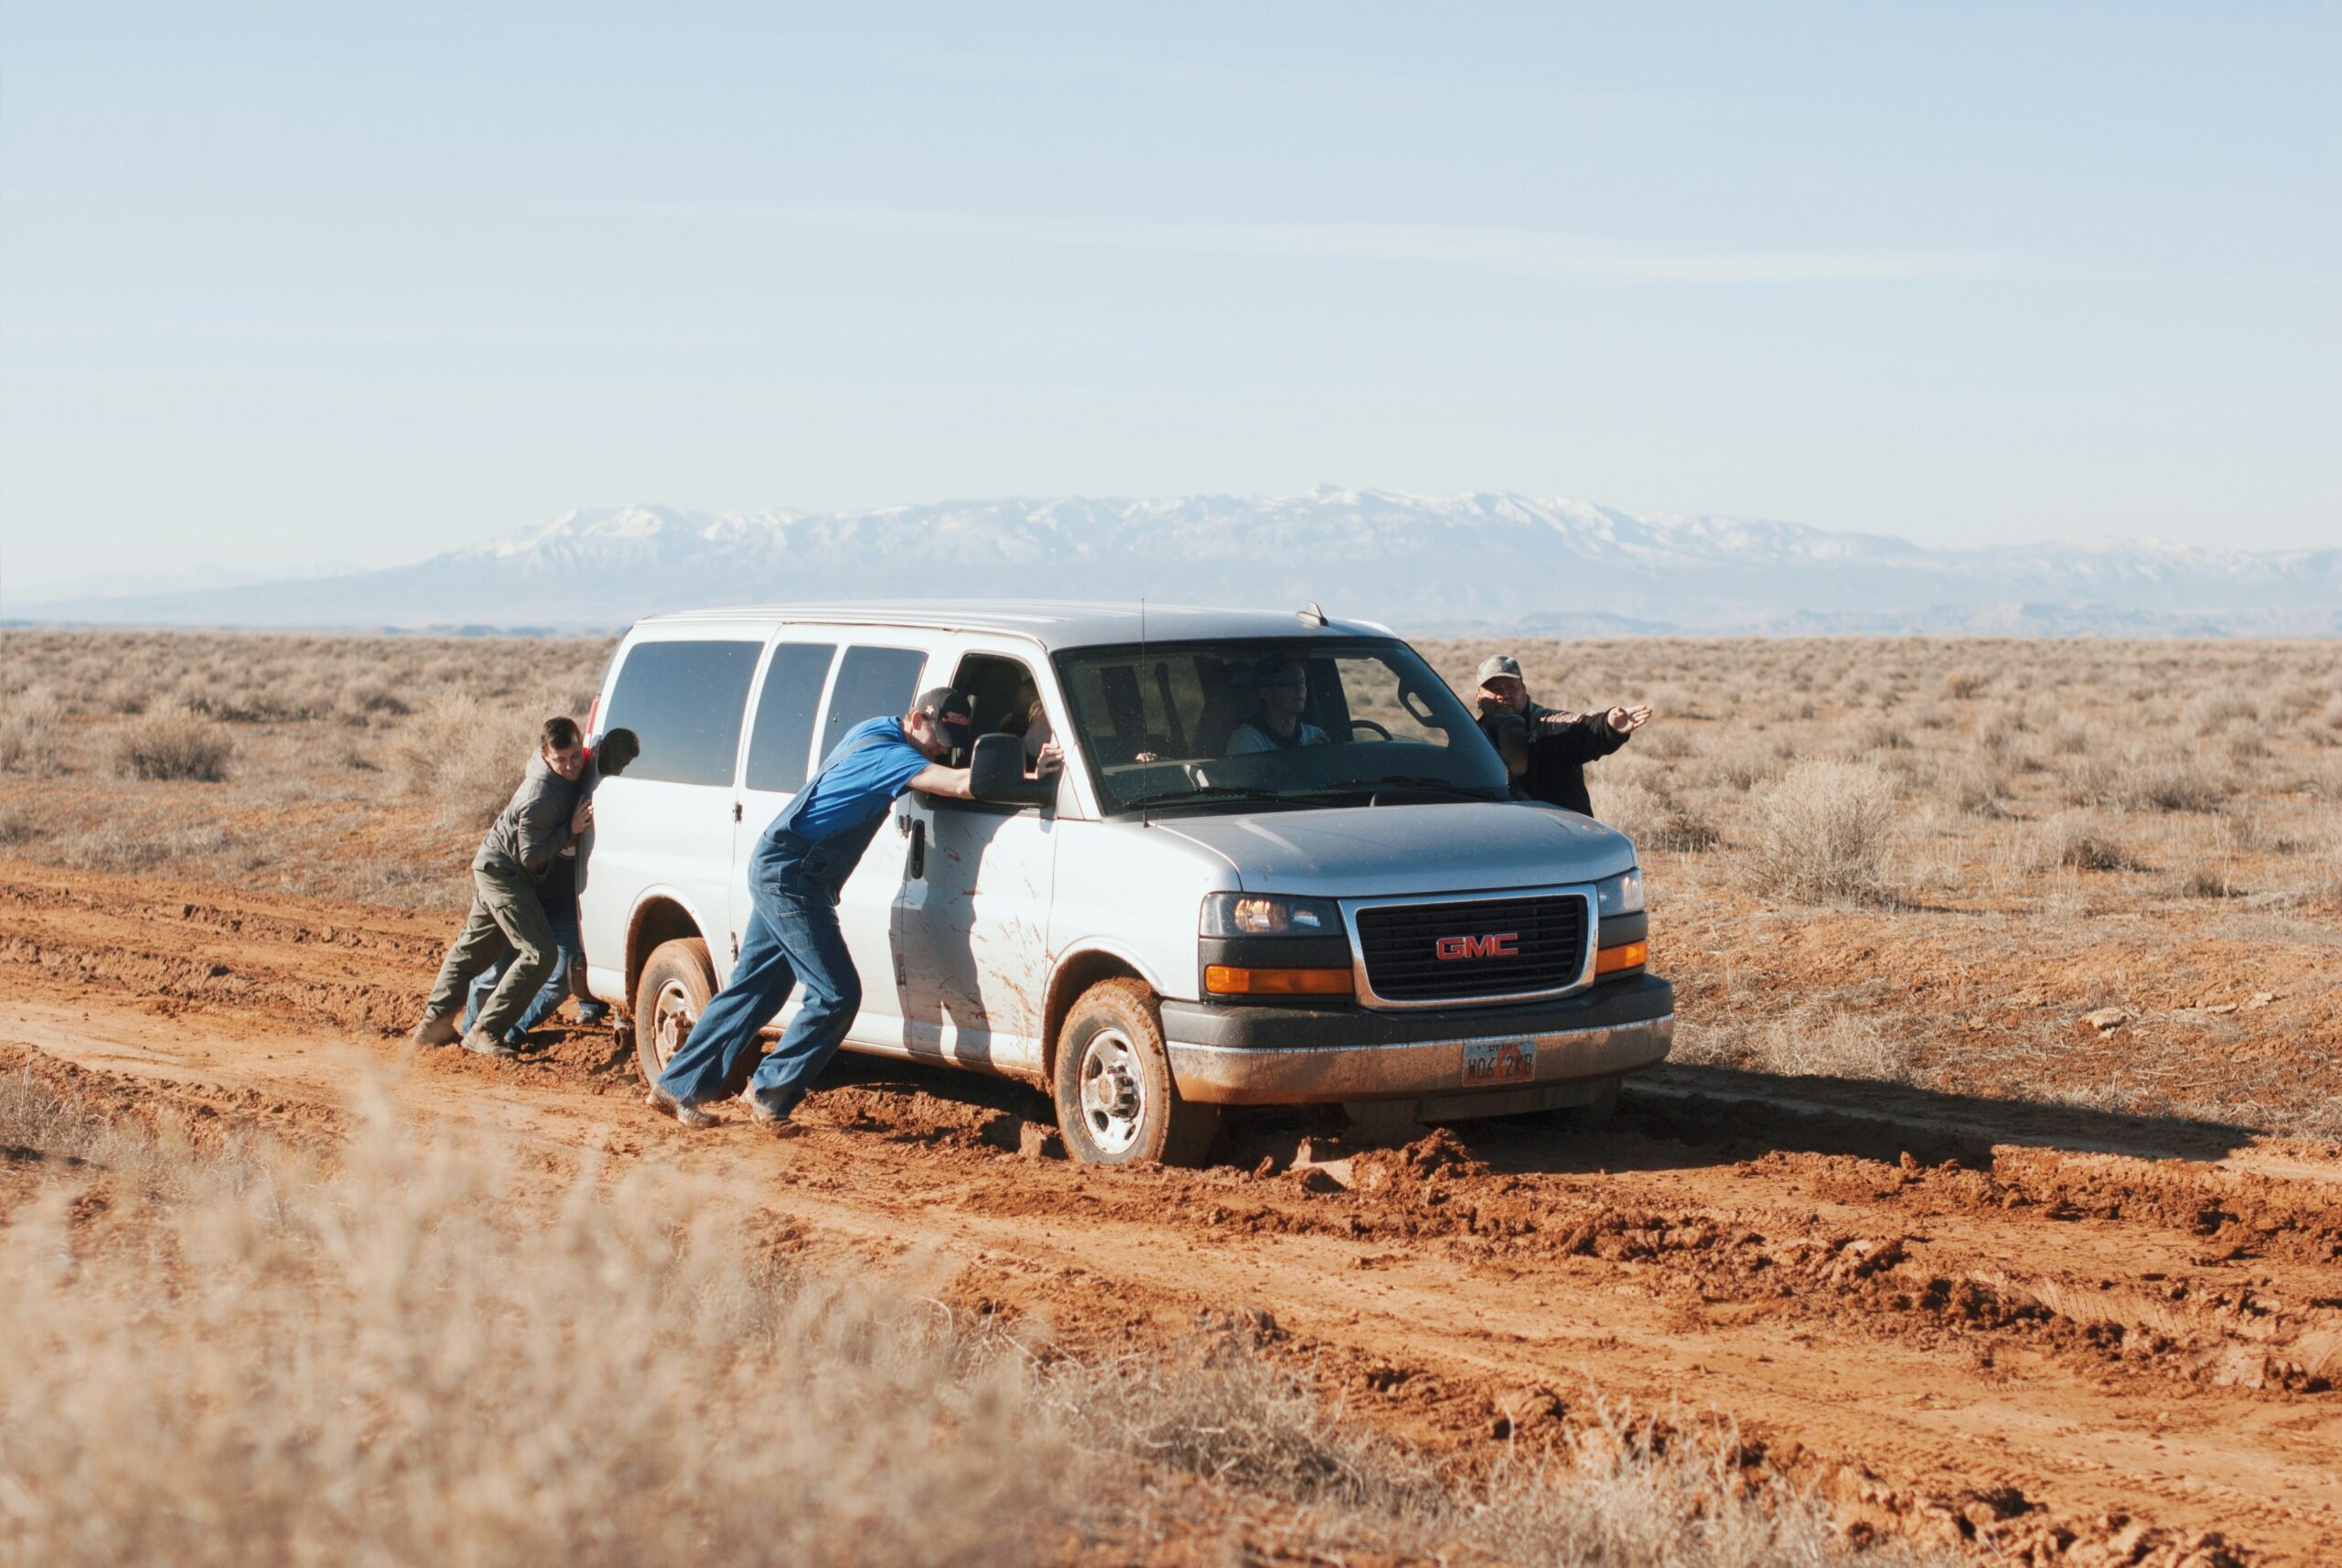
(1286, 721)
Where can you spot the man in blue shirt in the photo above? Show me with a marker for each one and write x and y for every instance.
(793, 938)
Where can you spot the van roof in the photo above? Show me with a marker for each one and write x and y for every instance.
(1052, 623)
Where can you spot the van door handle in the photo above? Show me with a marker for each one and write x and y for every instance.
(919, 849)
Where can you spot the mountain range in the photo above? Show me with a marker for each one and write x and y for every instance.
(1481, 562)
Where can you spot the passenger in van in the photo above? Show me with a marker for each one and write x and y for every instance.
(544, 816)
(1546, 749)
(558, 893)
(793, 938)
(1038, 733)
(1283, 688)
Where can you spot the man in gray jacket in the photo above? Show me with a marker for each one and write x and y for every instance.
(553, 805)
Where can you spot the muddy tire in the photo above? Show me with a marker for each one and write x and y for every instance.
(1116, 1103)
(668, 998)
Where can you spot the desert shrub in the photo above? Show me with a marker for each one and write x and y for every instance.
(17, 826)
(2176, 786)
(1821, 834)
(2081, 843)
(1651, 817)
(372, 700)
(1931, 717)
(1667, 745)
(172, 745)
(2201, 876)
(1879, 735)
(1742, 766)
(468, 754)
(1961, 684)
(1973, 789)
(32, 739)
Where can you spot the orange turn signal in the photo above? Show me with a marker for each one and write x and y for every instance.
(1232, 979)
(1610, 960)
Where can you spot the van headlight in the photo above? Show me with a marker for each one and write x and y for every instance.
(1269, 915)
(1619, 895)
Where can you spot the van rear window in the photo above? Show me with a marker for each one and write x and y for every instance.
(684, 700)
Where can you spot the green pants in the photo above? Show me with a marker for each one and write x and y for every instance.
(505, 909)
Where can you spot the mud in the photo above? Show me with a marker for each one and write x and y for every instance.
(2034, 1335)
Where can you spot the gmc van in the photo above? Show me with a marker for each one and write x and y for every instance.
(1279, 867)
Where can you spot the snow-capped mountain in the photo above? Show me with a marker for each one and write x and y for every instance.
(1481, 561)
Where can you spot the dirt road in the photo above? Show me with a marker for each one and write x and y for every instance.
(2058, 1335)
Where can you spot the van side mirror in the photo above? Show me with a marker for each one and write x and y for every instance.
(996, 774)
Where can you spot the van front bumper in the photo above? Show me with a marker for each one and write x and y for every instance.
(1306, 1055)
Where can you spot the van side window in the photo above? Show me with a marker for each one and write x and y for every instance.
(686, 700)
(873, 682)
(781, 743)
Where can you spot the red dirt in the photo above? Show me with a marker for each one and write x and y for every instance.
(2050, 1335)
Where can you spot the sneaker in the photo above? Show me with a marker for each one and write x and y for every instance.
(436, 1032)
(488, 1044)
(666, 1104)
(598, 1013)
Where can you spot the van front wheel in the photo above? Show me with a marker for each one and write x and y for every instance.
(676, 983)
(1116, 1103)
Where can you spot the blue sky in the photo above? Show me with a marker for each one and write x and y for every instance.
(289, 285)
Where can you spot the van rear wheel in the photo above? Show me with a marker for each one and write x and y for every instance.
(674, 991)
(1116, 1103)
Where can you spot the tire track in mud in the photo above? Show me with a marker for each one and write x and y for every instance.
(2041, 1351)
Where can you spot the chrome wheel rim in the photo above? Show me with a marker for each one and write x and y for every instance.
(672, 1017)
(1113, 1091)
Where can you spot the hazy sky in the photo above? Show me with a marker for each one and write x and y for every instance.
(309, 283)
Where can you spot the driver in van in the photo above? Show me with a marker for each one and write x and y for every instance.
(1284, 686)
(794, 875)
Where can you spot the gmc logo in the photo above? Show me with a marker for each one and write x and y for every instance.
(1502, 944)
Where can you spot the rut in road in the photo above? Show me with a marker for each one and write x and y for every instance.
(2014, 1344)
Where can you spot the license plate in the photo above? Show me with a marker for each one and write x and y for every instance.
(1499, 1061)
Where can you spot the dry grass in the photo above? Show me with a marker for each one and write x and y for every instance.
(1821, 834)
(1826, 1042)
(467, 755)
(2079, 810)
(422, 1350)
(173, 745)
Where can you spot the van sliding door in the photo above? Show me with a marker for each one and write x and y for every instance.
(665, 826)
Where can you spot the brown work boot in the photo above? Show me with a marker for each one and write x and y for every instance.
(489, 1045)
(778, 1123)
(436, 1032)
(682, 1110)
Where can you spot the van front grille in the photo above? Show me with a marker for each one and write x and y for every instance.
(1477, 950)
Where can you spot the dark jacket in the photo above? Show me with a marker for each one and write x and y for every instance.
(1557, 762)
(533, 827)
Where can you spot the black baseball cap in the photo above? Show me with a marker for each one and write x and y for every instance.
(946, 707)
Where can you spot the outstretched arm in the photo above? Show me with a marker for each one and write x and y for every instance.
(952, 782)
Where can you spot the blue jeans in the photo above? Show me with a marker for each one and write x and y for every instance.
(549, 996)
(792, 940)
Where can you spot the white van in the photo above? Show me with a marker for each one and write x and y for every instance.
(1215, 904)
